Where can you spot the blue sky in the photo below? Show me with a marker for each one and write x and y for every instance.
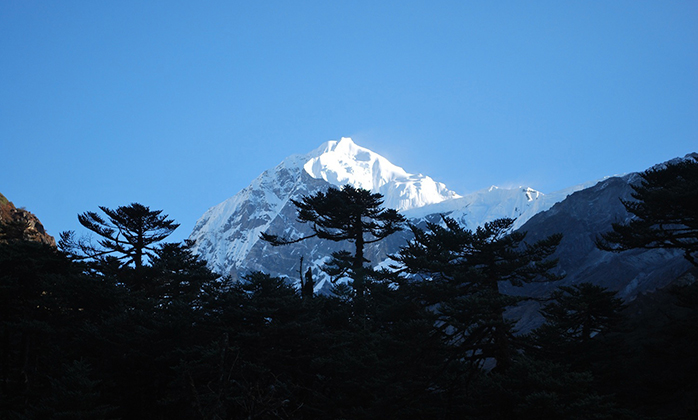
(179, 105)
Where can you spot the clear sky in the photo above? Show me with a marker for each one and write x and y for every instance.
(179, 105)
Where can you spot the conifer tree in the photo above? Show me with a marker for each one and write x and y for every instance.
(176, 274)
(574, 318)
(347, 214)
(129, 234)
(463, 270)
(665, 212)
(73, 396)
(581, 311)
(45, 304)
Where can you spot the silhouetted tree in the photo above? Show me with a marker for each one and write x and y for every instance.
(463, 271)
(176, 274)
(129, 234)
(581, 311)
(72, 396)
(665, 212)
(45, 303)
(307, 285)
(576, 321)
(539, 389)
(159, 327)
(348, 214)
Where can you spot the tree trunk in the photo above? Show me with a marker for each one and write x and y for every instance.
(358, 264)
(5, 359)
(502, 353)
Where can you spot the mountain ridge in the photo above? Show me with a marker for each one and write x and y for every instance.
(227, 235)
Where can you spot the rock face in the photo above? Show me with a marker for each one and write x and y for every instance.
(227, 235)
(20, 224)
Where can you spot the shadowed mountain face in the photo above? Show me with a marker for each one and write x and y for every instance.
(582, 218)
(227, 236)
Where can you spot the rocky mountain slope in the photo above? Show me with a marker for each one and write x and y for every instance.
(582, 218)
(227, 235)
(18, 223)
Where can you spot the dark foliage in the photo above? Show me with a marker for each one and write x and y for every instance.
(665, 212)
(575, 315)
(462, 272)
(347, 214)
(655, 369)
(129, 233)
(581, 331)
(84, 344)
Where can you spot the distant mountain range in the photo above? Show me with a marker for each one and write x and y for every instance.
(228, 234)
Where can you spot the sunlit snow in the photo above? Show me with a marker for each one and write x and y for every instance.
(344, 162)
(228, 233)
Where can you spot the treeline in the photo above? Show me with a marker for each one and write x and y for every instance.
(132, 327)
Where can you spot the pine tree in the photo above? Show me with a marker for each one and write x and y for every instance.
(665, 212)
(45, 306)
(581, 311)
(463, 271)
(534, 389)
(577, 319)
(73, 396)
(176, 274)
(129, 234)
(348, 214)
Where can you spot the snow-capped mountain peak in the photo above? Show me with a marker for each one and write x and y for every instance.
(228, 234)
(344, 162)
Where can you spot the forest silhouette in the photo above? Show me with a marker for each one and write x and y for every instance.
(134, 327)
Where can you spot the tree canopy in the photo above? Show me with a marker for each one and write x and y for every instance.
(347, 214)
(664, 211)
(128, 232)
(188, 344)
(462, 271)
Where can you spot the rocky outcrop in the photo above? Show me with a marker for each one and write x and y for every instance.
(20, 224)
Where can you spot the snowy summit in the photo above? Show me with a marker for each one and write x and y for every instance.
(228, 234)
(344, 162)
